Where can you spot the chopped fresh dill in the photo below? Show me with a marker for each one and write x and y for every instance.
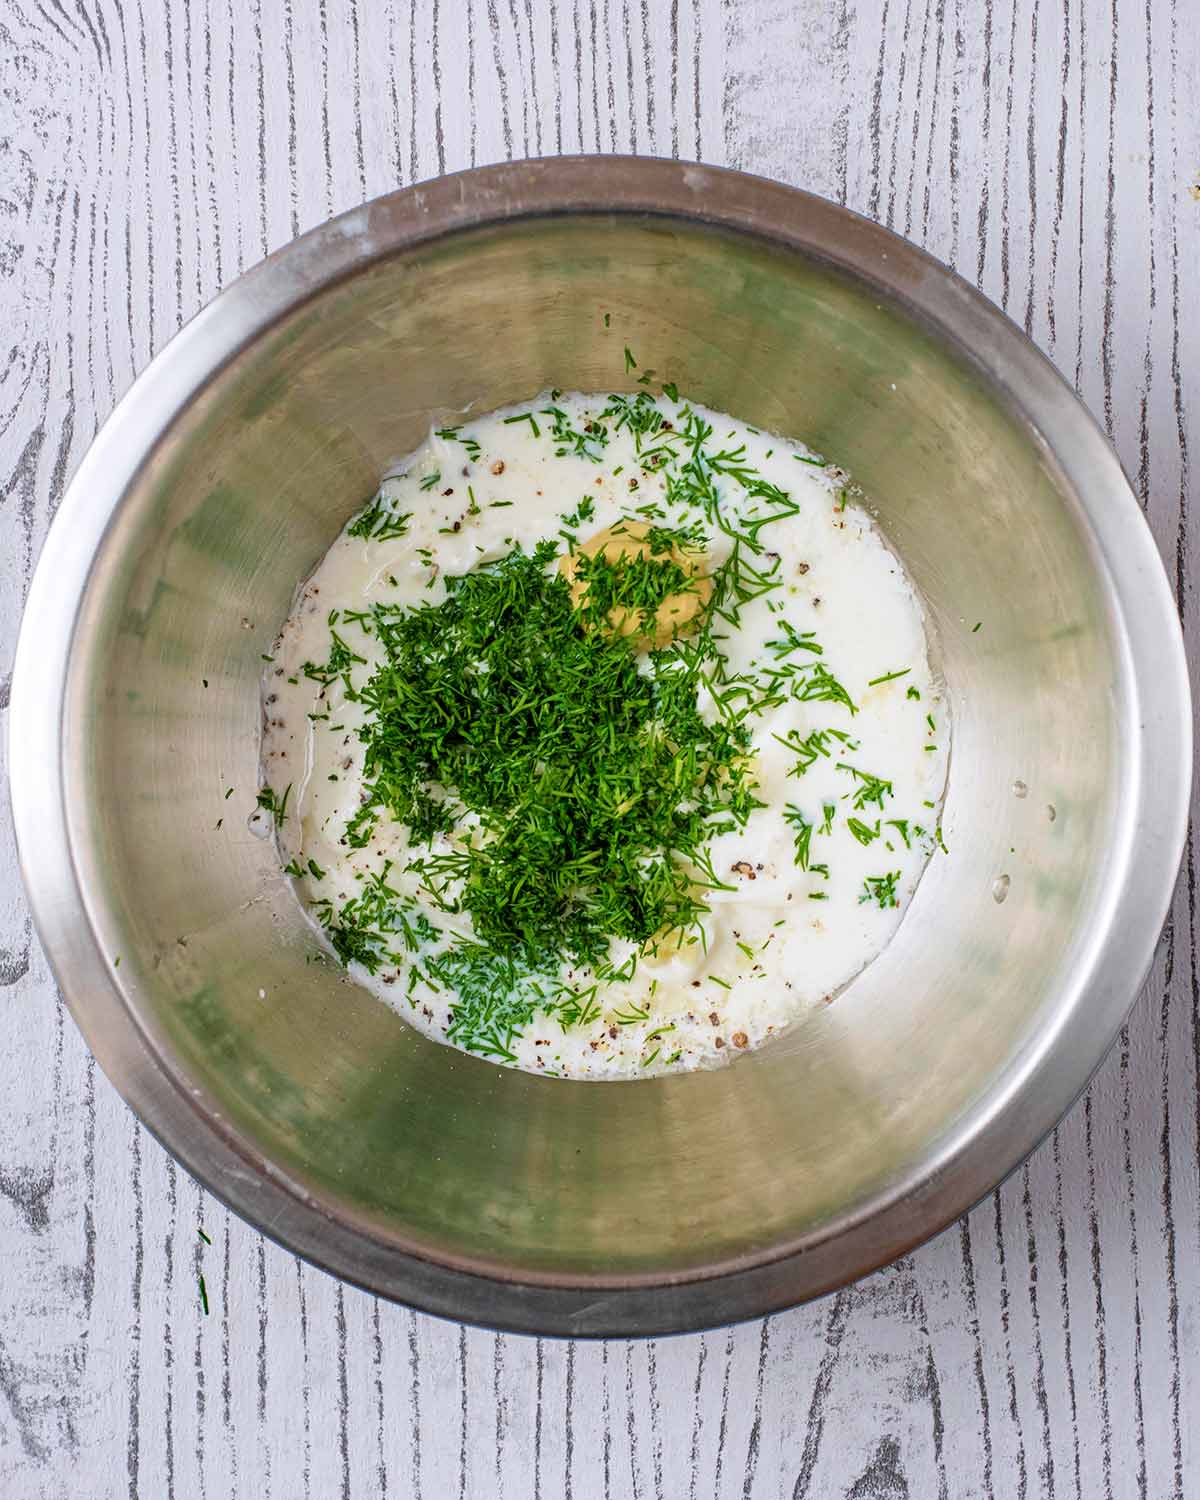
(592, 787)
(807, 750)
(820, 686)
(379, 523)
(525, 416)
(341, 657)
(455, 435)
(635, 587)
(362, 929)
(578, 1007)
(881, 889)
(587, 442)
(276, 806)
(793, 640)
(803, 832)
(868, 789)
(560, 782)
(584, 511)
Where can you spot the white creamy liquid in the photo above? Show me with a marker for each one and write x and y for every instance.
(784, 937)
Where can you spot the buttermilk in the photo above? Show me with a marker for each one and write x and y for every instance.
(605, 741)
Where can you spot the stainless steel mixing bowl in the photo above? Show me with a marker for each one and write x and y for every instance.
(437, 1178)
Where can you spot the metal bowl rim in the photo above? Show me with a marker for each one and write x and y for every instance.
(1003, 1127)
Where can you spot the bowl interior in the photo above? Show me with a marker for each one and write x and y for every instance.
(449, 1156)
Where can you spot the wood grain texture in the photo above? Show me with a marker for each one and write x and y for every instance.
(1049, 1344)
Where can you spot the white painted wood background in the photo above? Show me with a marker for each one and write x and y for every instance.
(1047, 1345)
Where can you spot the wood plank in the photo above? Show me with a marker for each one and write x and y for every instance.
(1045, 1345)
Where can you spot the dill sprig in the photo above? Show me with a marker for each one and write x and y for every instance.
(868, 789)
(269, 801)
(341, 658)
(588, 443)
(881, 889)
(455, 435)
(380, 523)
(584, 511)
(624, 587)
(808, 749)
(592, 788)
(819, 685)
(363, 929)
(803, 832)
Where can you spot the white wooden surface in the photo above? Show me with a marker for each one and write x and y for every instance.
(1047, 1345)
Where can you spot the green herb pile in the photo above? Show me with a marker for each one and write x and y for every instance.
(633, 587)
(581, 793)
(557, 788)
